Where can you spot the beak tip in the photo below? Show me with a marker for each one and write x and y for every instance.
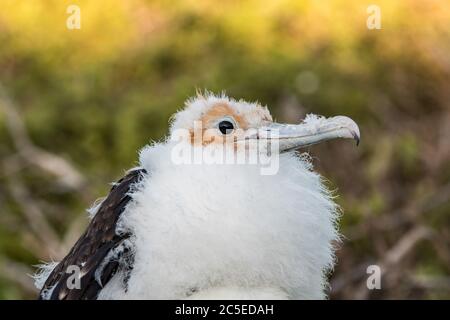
(357, 138)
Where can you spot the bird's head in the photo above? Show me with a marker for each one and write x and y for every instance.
(209, 120)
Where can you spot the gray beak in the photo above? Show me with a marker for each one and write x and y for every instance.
(311, 131)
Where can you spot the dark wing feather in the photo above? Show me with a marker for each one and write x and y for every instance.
(90, 251)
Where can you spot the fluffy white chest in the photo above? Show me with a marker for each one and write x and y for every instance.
(197, 228)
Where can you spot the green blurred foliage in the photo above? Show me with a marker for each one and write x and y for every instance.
(95, 96)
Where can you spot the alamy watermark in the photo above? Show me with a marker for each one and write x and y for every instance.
(373, 281)
(73, 21)
(208, 147)
(373, 21)
(74, 280)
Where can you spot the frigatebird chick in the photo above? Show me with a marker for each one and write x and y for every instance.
(190, 224)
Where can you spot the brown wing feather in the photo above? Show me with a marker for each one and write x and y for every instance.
(90, 250)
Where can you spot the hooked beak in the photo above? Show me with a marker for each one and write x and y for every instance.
(312, 130)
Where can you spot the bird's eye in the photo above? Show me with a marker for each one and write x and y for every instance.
(226, 127)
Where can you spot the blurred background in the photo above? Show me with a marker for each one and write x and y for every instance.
(77, 105)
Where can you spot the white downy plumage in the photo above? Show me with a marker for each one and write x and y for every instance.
(215, 231)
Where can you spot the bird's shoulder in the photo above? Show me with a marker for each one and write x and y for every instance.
(100, 251)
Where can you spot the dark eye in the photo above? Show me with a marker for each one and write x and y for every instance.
(226, 127)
